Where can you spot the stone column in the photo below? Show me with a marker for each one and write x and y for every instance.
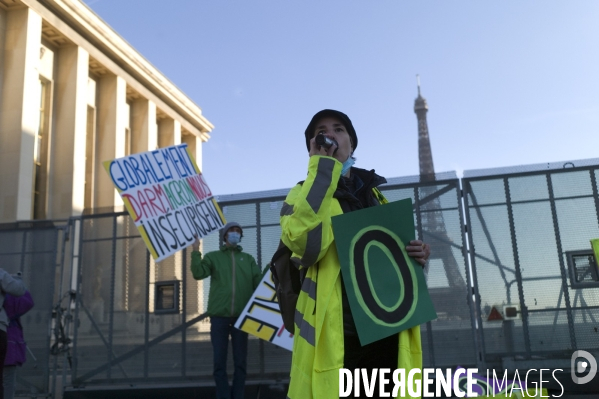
(19, 111)
(144, 134)
(2, 56)
(195, 291)
(110, 144)
(169, 132)
(110, 136)
(69, 144)
(143, 126)
(194, 144)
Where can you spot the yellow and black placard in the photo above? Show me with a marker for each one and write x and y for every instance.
(386, 288)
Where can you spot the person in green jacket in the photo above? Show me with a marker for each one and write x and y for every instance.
(234, 277)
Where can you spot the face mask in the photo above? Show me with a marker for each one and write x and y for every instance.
(233, 238)
(347, 164)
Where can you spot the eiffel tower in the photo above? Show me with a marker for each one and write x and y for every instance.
(433, 224)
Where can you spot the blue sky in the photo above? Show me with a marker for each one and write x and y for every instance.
(507, 83)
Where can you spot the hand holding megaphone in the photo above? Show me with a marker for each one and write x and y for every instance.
(326, 142)
(323, 145)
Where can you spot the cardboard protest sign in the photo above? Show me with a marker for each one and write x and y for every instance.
(168, 198)
(386, 288)
(262, 317)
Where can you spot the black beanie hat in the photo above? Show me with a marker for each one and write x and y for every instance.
(344, 119)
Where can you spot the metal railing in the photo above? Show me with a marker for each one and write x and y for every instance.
(523, 225)
(38, 251)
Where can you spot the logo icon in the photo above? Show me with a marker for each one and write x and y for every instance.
(580, 366)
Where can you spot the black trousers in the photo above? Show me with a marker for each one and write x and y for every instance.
(377, 355)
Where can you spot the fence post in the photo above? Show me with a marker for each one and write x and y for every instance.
(523, 308)
(429, 326)
(473, 296)
(562, 266)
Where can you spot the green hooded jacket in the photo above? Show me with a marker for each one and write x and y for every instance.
(235, 276)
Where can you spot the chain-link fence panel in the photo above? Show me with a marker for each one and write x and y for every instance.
(123, 333)
(35, 249)
(448, 340)
(524, 229)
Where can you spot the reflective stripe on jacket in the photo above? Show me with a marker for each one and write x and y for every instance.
(318, 346)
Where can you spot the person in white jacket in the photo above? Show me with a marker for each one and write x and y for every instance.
(13, 286)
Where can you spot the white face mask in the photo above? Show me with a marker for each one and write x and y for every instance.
(233, 237)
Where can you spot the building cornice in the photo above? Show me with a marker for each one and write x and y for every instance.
(10, 4)
(93, 29)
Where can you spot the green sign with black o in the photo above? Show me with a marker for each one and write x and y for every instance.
(385, 287)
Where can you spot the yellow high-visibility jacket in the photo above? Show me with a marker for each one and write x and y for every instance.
(318, 346)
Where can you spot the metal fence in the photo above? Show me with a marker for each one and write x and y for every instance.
(448, 340)
(122, 335)
(37, 251)
(512, 240)
(530, 232)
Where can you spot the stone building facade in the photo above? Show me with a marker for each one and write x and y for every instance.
(73, 94)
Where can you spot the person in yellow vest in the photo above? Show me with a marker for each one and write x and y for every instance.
(326, 338)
